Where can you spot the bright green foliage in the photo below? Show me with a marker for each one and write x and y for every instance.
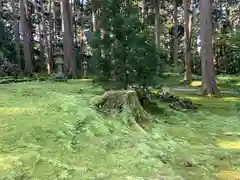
(125, 53)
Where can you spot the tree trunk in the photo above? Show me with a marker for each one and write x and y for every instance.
(94, 20)
(69, 52)
(157, 24)
(42, 49)
(157, 29)
(45, 38)
(190, 27)
(143, 11)
(26, 39)
(75, 23)
(175, 38)
(16, 34)
(187, 50)
(51, 33)
(55, 30)
(209, 85)
(84, 62)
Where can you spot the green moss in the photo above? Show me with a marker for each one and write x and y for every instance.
(227, 82)
(49, 131)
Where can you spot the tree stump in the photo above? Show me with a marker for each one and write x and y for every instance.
(128, 99)
(123, 98)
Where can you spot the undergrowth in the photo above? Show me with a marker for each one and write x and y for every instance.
(49, 131)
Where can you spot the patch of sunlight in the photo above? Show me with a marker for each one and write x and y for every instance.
(15, 110)
(80, 80)
(226, 99)
(7, 161)
(85, 79)
(229, 145)
(229, 175)
(232, 99)
(237, 84)
(228, 77)
(196, 83)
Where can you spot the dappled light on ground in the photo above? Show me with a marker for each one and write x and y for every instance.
(231, 99)
(196, 83)
(229, 175)
(16, 110)
(8, 161)
(229, 145)
(216, 100)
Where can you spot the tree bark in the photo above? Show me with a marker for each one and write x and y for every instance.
(51, 34)
(69, 52)
(84, 62)
(26, 39)
(157, 29)
(16, 34)
(209, 85)
(144, 12)
(175, 38)
(157, 24)
(187, 49)
(75, 23)
(94, 20)
(42, 49)
(45, 39)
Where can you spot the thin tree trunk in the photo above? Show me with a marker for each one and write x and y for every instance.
(157, 29)
(26, 40)
(42, 49)
(187, 55)
(65, 42)
(175, 38)
(45, 39)
(16, 34)
(143, 10)
(75, 23)
(190, 27)
(62, 15)
(209, 85)
(157, 24)
(84, 62)
(94, 20)
(53, 27)
(51, 33)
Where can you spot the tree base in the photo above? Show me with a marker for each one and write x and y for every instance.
(121, 99)
(214, 91)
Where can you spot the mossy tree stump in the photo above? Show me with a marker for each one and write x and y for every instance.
(121, 99)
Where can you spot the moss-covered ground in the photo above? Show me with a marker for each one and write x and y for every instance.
(224, 82)
(48, 131)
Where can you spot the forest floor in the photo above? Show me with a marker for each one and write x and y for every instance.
(49, 131)
(224, 83)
